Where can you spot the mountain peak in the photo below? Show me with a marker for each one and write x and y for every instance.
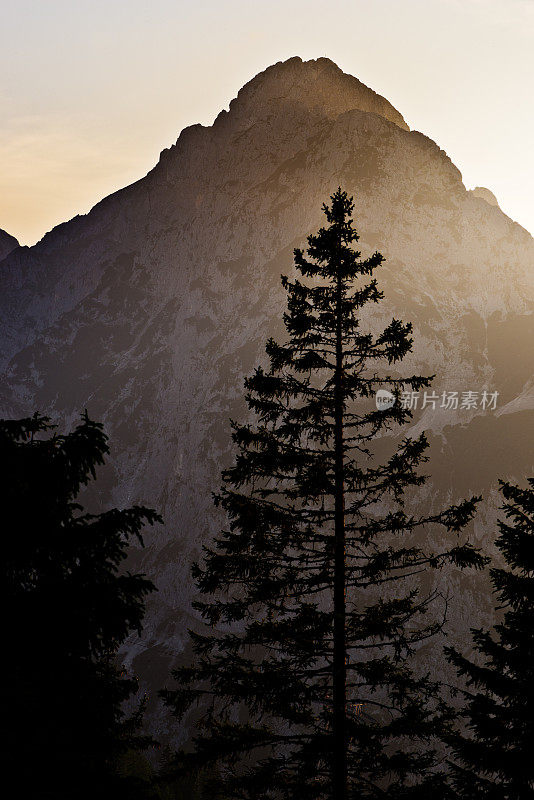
(319, 85)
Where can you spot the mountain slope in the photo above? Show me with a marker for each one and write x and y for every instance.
(149, 310)
(7, 244)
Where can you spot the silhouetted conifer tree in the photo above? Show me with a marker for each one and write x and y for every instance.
(311, 591)
(495, 754)
(67, 609)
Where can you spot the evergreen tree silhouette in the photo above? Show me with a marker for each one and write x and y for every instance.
(304, 682)
(69, 607)
(494, 755)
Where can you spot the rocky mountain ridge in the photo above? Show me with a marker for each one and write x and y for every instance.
(149, 311)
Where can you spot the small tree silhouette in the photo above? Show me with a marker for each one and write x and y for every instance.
(494, 756)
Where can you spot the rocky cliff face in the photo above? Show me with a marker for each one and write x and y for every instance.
(7, 244)
(149, 311)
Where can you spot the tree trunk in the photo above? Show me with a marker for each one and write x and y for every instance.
(339, 765)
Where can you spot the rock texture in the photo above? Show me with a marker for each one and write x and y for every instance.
(484, 194)
(7, 244)
(149, 310)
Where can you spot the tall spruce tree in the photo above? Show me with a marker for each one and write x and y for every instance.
(494, 755)
(68, 607)
(311, 593)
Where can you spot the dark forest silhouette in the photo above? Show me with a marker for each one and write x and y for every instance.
(69, 609)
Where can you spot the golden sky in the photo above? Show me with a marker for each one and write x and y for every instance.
(92, 90)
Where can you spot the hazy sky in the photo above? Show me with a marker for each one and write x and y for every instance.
(92, 90)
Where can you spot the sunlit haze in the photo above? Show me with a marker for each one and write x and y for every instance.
(92, 91)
